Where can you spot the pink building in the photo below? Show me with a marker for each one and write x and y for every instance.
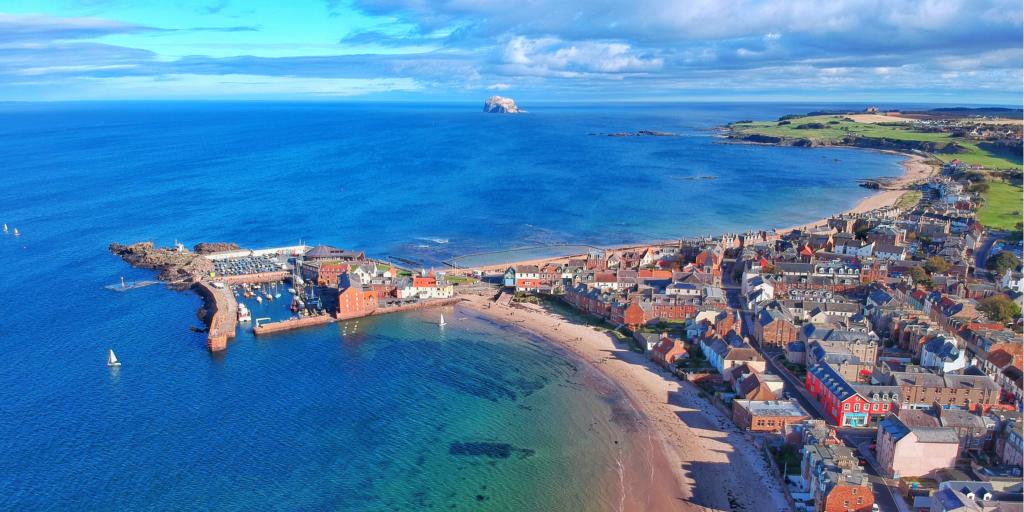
(906, 451)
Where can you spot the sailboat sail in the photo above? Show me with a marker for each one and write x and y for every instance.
(112, 359)
(442, 320)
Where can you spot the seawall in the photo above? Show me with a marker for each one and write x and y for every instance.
(264, 277)
(298, 323)
(221, 315)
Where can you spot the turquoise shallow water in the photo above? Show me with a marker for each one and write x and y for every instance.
(397, 415)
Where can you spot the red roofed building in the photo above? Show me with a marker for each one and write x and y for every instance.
(668, 350)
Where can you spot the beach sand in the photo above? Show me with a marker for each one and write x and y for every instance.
(704, 461)
(916, 169)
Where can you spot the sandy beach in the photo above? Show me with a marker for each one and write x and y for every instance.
(706, 463)
(916, 169)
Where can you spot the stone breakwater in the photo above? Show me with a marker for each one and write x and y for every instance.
(221, 315)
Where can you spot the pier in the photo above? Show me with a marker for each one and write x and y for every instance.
(221, 315)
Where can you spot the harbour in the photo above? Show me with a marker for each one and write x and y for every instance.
(280, 289)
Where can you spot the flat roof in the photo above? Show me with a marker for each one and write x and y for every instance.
(772, 407)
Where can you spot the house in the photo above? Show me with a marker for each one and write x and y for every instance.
(524, 278)
(767, 415)
(750, 384)
(731, 351)
(647, 340)
(846, 404)
(668, 350)
(1009, 445)
(775, 327)
(426, 287)
(905, 451)
(942, 355)
(831, 474)
(920, 389)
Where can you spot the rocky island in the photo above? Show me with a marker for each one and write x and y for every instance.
(501, 105)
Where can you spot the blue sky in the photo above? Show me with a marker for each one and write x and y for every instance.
(941, 51)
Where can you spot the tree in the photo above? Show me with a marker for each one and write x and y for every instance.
(999, 308)
(921, 277)
(980, 187)
(936, 265)
(1002, 262)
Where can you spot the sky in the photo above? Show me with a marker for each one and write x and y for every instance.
(924, 51)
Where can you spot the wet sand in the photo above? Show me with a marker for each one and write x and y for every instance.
(697, 459)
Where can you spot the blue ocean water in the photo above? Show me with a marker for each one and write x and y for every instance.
(374, 417)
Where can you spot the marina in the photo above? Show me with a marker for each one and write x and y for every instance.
(281, 289)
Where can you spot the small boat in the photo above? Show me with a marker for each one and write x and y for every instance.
(243, 313)
(112, 359)
(441, 323)
(16, 232)
(5, 229)
(259, 299)
(291, 291)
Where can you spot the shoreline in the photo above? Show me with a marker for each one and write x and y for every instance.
(915, 168)
(695, 448)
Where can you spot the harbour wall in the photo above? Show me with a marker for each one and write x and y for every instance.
(221, 315)
(298, 323)
(263, 277)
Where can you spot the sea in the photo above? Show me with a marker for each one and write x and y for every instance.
(389, 413)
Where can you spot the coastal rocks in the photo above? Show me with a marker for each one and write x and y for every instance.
(175, 264)
(638, 133)
(501, 105)
(212, 247)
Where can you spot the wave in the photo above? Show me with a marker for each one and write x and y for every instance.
(435, 240)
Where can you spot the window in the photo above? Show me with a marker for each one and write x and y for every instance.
(856, 407)
(846, 407)
(860, 500)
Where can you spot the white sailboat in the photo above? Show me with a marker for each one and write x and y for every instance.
(5, 229)
(441, 323)
(112, 359)
(16, 232)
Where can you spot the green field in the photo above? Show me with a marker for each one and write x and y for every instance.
(1003, 206)
(909, 199)
(838, 127)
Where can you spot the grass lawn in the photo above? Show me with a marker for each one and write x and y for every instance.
(909, 199)
(838, 127)
(1003, 205)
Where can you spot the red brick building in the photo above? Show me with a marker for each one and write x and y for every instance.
(354, 302)
(775, 328)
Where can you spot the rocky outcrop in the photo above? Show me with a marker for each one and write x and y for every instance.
(212, 247)
(640, 133)
(501, 105)
(177, 265)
